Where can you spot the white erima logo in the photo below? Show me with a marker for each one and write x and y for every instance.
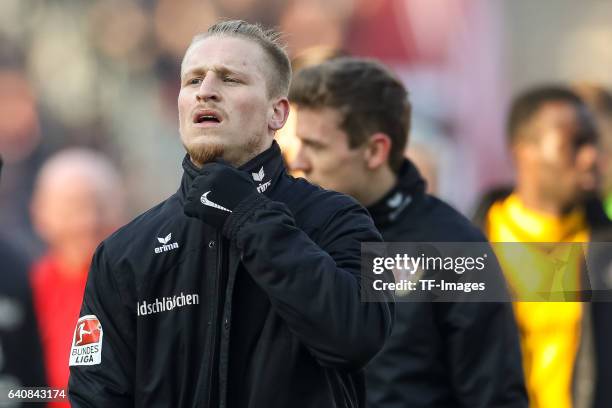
(204, 199)
(165, 244)
(165, 240)
(398, 202)
(259, 176)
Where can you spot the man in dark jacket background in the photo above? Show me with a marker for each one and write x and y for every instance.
(21, 356)
(243, 288)
(353, 121)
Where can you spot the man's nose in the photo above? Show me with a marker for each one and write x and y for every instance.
(208, 90)
(301, 162)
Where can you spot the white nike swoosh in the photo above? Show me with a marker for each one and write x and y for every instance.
(209, 203)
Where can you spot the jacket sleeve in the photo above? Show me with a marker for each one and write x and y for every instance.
(484, 352)
(104, 379)
(315, 289)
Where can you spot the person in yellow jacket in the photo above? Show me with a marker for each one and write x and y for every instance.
(552, 140)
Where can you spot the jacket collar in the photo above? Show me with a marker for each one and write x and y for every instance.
(409, 186)
(265, 170)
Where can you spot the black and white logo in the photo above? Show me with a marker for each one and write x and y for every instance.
(166, 245)
(204, 199)
(395, 200)
(259, 176)
(166, 239)
(398, 202)
(166, 303)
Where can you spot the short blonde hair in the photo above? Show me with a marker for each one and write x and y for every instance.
(269, 40)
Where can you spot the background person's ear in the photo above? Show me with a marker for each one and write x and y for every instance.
(279, 114)
(378, 148)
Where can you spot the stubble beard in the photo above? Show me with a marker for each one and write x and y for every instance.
(203, 153)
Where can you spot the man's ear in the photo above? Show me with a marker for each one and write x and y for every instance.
(278, 114)
(378, 148)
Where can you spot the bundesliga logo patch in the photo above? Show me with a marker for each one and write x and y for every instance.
(87, 342)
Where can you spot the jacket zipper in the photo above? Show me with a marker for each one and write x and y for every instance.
(213, 303)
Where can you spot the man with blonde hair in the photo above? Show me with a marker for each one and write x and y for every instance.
(243, 288)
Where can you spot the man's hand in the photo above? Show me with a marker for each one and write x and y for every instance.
(216, 192)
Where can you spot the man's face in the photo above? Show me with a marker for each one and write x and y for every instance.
(223, 104)
(324, 155)
(563, 159)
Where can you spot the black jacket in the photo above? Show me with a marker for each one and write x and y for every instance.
(276, 320)
(442, 355)
(21, 356)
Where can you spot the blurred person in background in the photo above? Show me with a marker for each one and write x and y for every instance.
(77, 202)
(21, 362)
(285, 137)
(243, 288)
(353, 120)
(552, 139)
(599, 101)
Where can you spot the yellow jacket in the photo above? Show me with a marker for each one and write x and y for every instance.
(550, 331)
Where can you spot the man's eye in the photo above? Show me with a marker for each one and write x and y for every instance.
(194, 81)
(313, 146)
(229, 79)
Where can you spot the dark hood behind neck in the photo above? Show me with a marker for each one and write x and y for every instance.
(410, 184)
(265, 168)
